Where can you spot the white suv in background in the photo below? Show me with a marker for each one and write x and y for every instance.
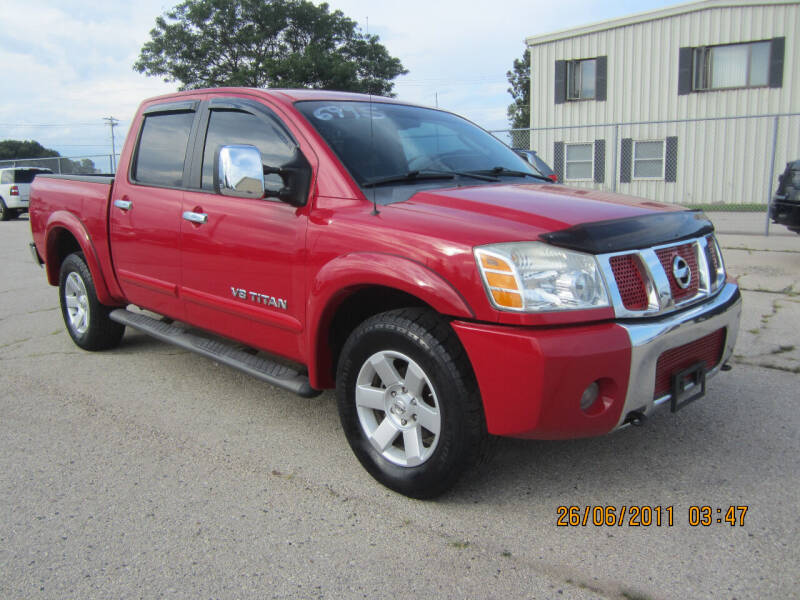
(15, 190)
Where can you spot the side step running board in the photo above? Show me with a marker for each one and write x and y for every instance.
(257, 366)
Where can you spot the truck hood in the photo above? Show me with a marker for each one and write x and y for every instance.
(586, 220)
(543, 207)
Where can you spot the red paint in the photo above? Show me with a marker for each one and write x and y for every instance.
(531, 368)
(146, 245)
(531, 380)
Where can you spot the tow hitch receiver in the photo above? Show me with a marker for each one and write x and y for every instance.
(688, 385)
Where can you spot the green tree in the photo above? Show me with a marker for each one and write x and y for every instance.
(10, 149)
(266, 43)
(83, 166)
(519, 112)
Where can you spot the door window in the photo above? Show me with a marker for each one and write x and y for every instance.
(162, 149)
(228, 127)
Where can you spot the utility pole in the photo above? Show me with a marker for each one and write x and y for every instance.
(112, 122)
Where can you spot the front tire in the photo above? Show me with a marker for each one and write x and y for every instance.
(409, 403)
(86, 319)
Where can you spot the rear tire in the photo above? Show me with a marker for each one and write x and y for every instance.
(409, 403)
(86, 319)
(5, 213)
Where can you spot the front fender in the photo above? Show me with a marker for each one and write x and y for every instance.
(57, 223)
(347, 274)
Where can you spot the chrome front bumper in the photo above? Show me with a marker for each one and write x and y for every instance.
(650, 339)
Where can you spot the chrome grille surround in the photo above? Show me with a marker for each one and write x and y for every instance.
(656, 279)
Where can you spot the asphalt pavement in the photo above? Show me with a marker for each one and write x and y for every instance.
(150, 472)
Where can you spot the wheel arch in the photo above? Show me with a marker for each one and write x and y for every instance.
(65, 234)
(356, 286)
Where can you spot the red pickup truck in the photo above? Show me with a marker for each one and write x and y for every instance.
(445, 288)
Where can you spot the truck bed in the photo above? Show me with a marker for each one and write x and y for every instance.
(78, 200)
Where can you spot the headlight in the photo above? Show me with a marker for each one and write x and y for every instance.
(537, 277)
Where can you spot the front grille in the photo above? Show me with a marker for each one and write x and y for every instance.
(687, 252)
(712, 254)
(643, 282)
(629, 282)
(707, 349)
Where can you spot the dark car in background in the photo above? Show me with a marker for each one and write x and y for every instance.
(785, 207)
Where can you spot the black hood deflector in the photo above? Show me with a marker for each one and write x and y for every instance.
(631, 233)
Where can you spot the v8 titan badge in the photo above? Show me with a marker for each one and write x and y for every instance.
(259, 298)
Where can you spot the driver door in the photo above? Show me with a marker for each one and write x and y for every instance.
(242, 268)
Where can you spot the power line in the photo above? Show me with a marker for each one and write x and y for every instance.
(51, 125)
(452, 80)
(72, 140)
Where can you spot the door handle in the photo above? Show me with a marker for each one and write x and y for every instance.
(123, 204)
(194, 217)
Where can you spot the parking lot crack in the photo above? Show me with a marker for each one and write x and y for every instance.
(14, 343)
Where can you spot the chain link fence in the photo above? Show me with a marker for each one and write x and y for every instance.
(73, 165)
(720, 161)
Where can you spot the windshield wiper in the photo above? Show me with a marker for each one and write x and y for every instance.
(513, 173)
(426, 174)
(410, 176)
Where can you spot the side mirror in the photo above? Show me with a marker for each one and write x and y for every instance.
(239, 172)
(296, 176)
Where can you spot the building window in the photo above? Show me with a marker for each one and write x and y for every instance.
(648, 159)
(731, 66)
(584, 79)
(581, 79)
(579, 162)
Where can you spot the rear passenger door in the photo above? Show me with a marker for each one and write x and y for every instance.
(242, 271)
(145, 212)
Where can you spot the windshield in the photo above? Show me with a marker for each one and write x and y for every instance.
(406, 144)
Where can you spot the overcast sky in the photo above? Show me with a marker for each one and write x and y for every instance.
(67, 64)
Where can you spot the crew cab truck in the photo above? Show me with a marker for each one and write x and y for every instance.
(406, 257)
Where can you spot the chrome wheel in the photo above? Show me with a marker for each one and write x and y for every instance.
(397, 408)
(77, 303)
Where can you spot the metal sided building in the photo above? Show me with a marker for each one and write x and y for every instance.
(695, 103)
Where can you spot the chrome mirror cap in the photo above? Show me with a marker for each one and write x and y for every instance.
(240, 172)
